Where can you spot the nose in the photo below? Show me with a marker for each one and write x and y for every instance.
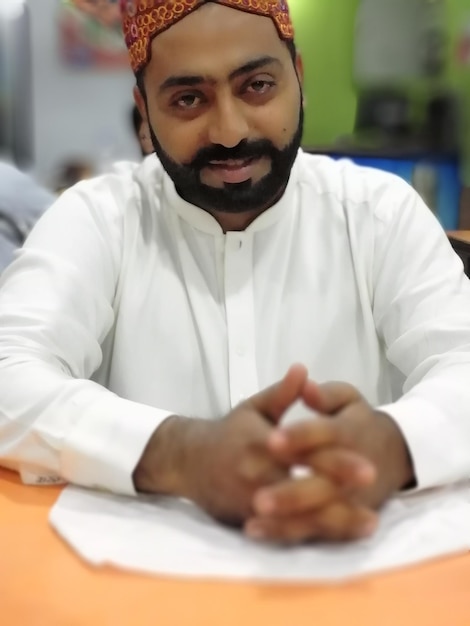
(228, 125)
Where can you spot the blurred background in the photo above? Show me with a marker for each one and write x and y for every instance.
(387, 84)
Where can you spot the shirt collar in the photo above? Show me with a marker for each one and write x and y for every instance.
(203, 221)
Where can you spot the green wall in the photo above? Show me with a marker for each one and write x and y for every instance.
(324, 35)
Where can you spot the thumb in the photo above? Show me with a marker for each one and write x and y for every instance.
(329, 398)
(275, 400)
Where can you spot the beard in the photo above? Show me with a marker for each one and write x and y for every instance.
(233, 198)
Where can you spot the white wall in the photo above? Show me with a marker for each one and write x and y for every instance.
(77, 113)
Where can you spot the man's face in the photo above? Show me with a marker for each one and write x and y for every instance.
(224, 106)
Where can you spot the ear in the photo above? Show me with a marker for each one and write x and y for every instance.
(299, 68)
(140, 103)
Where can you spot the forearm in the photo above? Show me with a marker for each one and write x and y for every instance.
(392, 445)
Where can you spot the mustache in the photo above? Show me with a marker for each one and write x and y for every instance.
(243, 151)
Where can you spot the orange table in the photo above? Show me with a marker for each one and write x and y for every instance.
(42, 583)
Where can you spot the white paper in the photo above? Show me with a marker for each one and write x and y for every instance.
(166, 536)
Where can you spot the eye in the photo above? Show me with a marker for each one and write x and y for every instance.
(187, 101)
(261, 86)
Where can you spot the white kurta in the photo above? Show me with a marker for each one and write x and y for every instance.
(128, 304)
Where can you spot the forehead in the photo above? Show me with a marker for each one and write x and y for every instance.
(214, 40)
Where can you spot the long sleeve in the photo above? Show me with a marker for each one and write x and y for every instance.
(124, 283)
(422, 311)
(56, 309)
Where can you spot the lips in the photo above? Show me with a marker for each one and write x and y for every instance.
(232, 164)
(234, 171)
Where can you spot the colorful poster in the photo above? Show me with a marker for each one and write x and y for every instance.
(104, 11)
(91, 36)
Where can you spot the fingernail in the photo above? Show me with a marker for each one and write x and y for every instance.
(265, 504)
(366, 473)
(278, 439)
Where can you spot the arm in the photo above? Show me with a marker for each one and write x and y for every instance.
(421, 305)
(56, 308)
(422, 311)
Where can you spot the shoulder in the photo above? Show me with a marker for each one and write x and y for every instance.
(357, 191)
(120, 192)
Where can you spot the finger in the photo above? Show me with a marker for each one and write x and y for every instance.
(329, 398)
(275, 400)
(342, 465)
(293, 497)
(342, 521)
(336, 522)
(308, 435)
(257, 470)
(345, 467)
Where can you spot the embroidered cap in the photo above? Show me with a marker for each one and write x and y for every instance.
(142, 20)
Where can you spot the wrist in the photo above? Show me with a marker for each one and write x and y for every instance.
(168, 461)
(400, 470)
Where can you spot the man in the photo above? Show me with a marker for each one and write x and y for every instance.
(22, 202)
(151, 330)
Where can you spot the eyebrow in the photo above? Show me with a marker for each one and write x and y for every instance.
(194, 80)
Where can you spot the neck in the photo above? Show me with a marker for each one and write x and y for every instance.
(230, 222)
(235, 221)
